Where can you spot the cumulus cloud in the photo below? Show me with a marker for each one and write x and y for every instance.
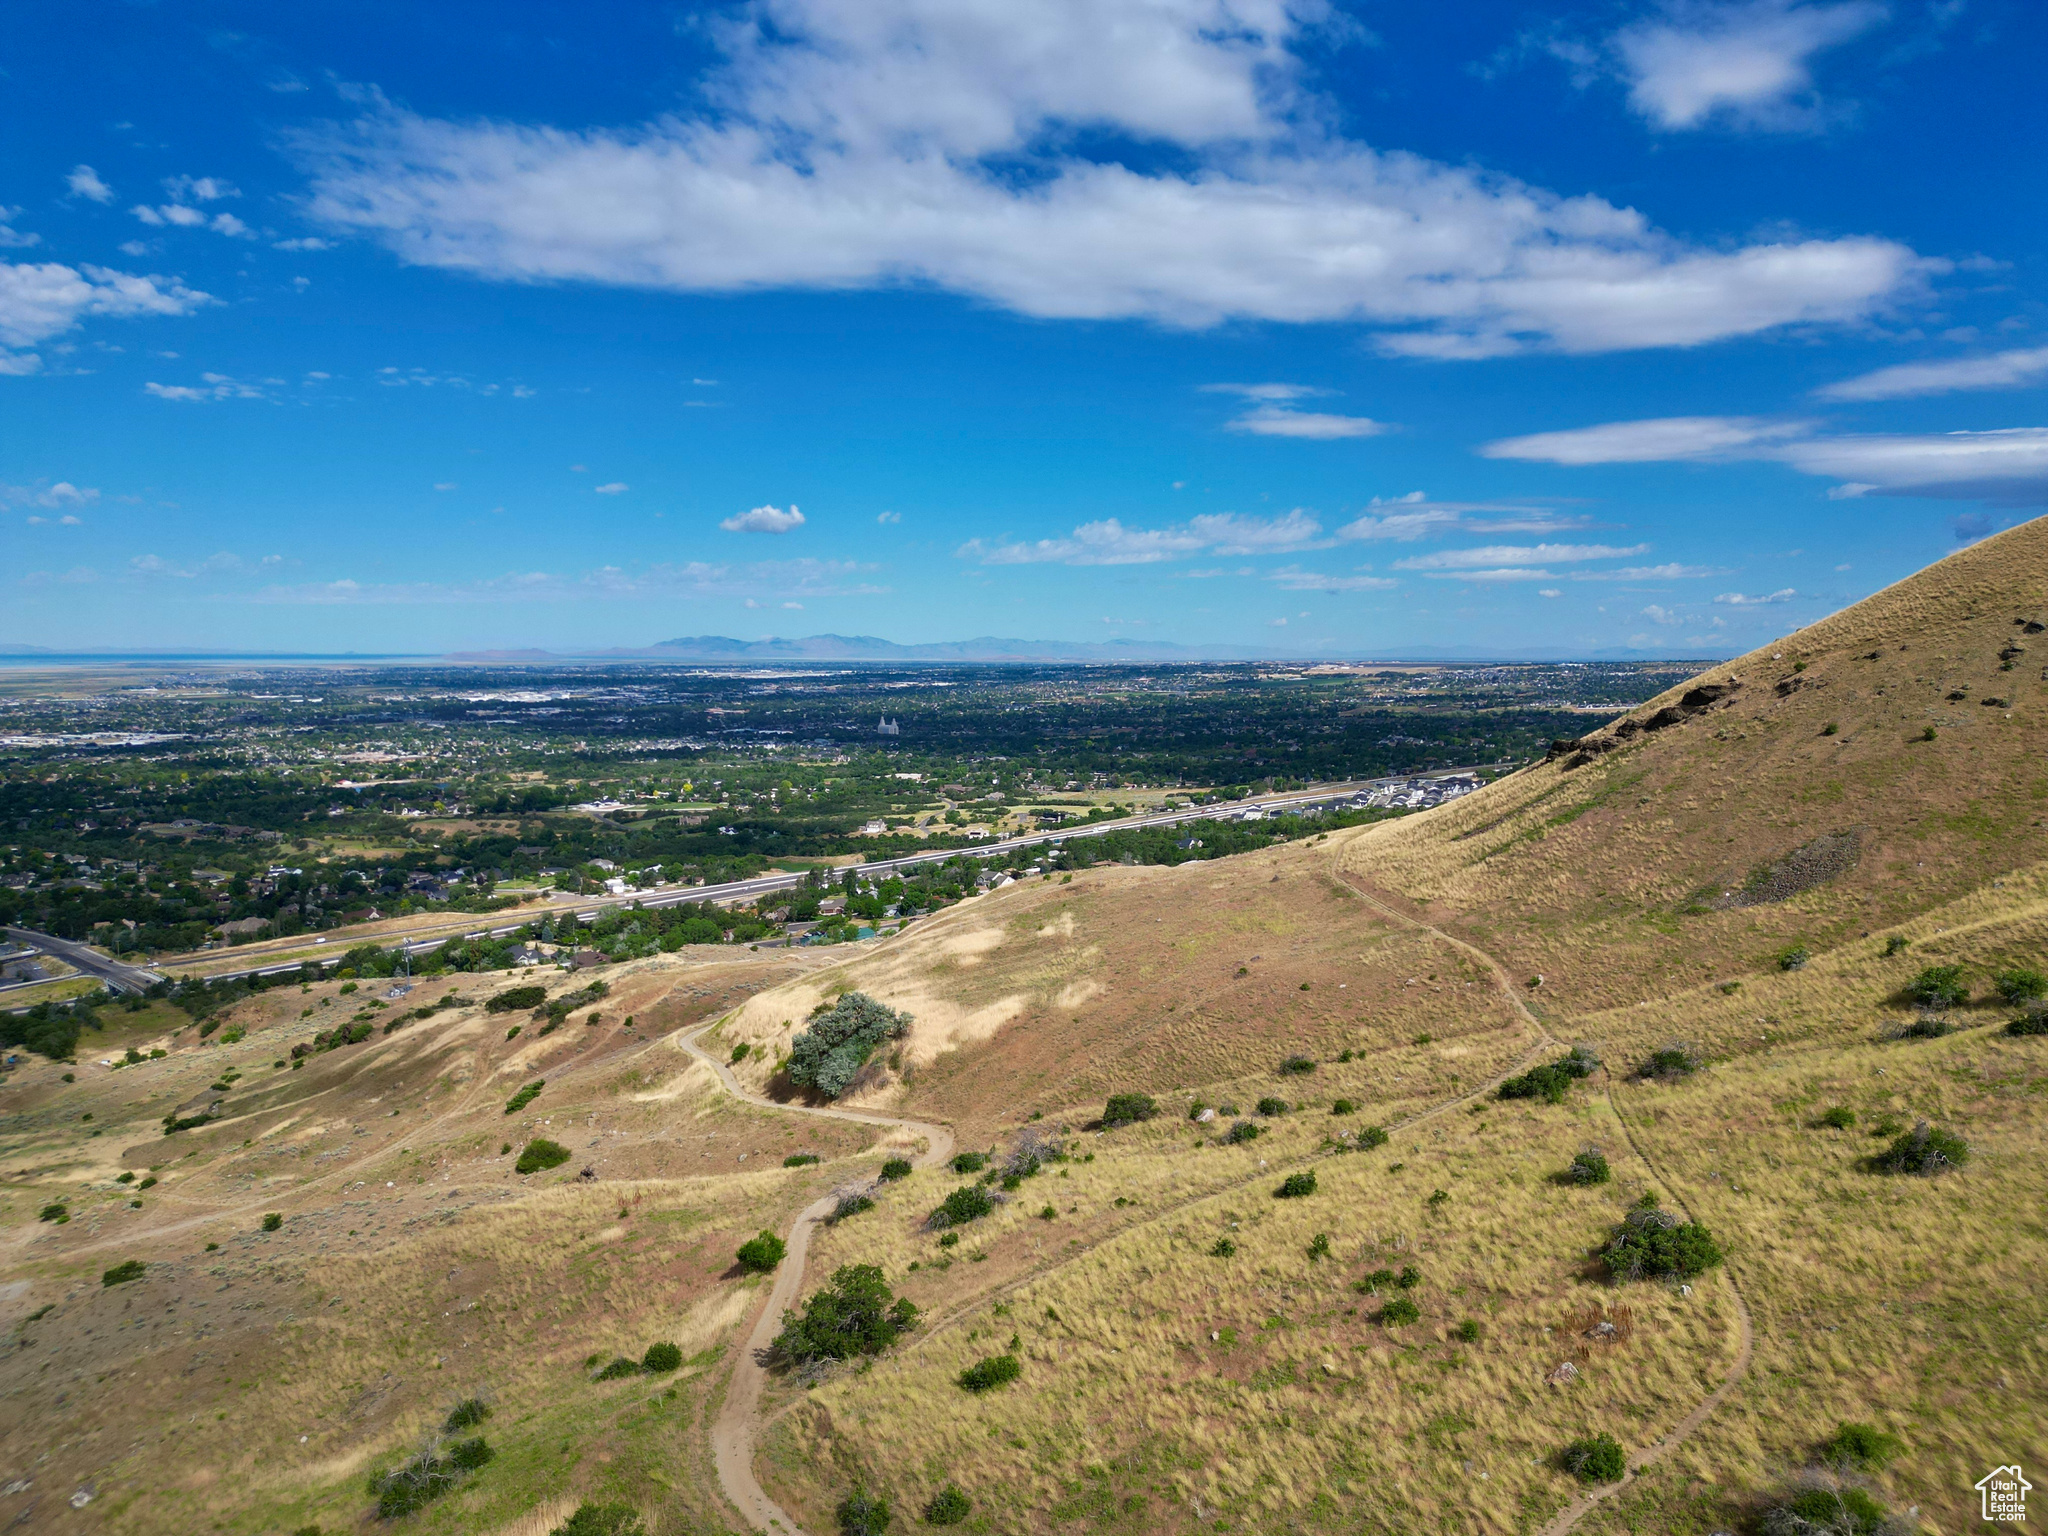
(1745, 63)
(12, 238)
(214, 386)
(764, 520)
(1743, 600)
(39, 301)
(868, 146)
(2008, 466)
(60, 494)
(1110, 542)
(2000, 370)
(619, 488)
(85, 182)
(199, 189)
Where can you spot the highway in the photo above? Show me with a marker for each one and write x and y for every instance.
(121, 978)
(779, 880)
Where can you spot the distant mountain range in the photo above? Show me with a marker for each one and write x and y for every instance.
(985, 648)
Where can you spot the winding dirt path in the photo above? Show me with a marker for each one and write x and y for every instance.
(738, 1425)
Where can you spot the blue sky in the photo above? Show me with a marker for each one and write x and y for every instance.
(1316, 328)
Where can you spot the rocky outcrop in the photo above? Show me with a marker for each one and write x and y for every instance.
(1696, 700)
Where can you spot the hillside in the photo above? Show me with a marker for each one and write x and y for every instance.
(1194, 1352)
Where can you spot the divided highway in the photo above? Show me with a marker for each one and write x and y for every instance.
(129, 978)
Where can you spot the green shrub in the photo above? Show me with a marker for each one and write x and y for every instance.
(1271, 1107)
(1343, 1107)
(620, 1366)
(1895, 945)
(1863, 1445)
(1589, 1167)
(467, 1414)
(1670, 1063)
(970, 1202)
(1297, 1066)
(660, 1359)
(517, 1000)
(739, 1053)
(1595, 1459)
(800, 1159)
(1839, 1118)
(851, 1204)
(1409, 1278)
(949, 1506)
(1552, 1081)
(525, 1096)
(55, 1211)
(2021, 984)
(1128, 1109)
(1319, 1246)
(1832, 1510)
(1939, 986)
(1923, 1150)
(1652, 1242)
(2033, 1022)
(1927, 1025)
(1470, 1331)
(418, 1482)
(862, 1513)
(1295, 1186)
(470, 1454)
(272, 1221)
(855, 1314)
(829, 1054)
(1398, 1313)
(995, 1371)
(128, 1269)
(124, 1178)
(540, 1155)
(601, 1520)
(1793, 957)
(969, 1162)
(1372, 1136)
(1241, 1133)
(762, 1252)
(896, 1168)
(1224, 1249)
(1370, 1285)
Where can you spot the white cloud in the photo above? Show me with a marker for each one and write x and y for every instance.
(136, 248)
(61, 494)
(1657, 614)
(78, 575)
(1294, 579)
(2007, 466)
(764, 520)
(850, 146)
(1515, 555)
(85, 182)
(227, 224)
(1644, 442)
(1109, 542)
(1551, 592)
(303, 243)
(444, 485)
(1279, 421)
(2001, 370)
(216, 386)
(1414, 516)
(168, 213)
(1742, 600)
(1742, 62)
(619, 488)
(1272, 394)
(888, 517)
(199, 189)
(1670, 571)
(39, 301)
(781, 580)
(12, 238)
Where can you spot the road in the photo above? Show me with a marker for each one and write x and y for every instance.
(121, 978)
(784, 880)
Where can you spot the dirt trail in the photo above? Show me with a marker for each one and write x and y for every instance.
(738, 1425)
(1745, 1351)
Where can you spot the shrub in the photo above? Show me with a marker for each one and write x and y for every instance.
(55, 1211)
(1319, 1246)
(1241, 1133)
(2021, 984)
(1864, 1445)
(620, 1366)
(470, 1454)
(467, 1414)
(1839, 1118)
(540, 1155)
(995, 1371)
(124, 1177)
(660, 1359)
(862, 1513)
(1370, 1285)
(1295, 1186)
(851, 1203)
(1552, 1081)
(2033, 1022)
(1409, 1278)
(1128, 1109)
(1297, 1066)
(969, 1162)
(1372, 1136)
(1398, 1313)
(1895, 945)
(855, 1314)
(601, 1520)
(829, 1054)
(762, 1252)
(896, 1168)
(1595, 1459)
(1793, 957)
(1939, 986)
(1923, 1150)
(1343, 1107)
(120, 1274)
(416, 1483)
(1830, 1510)
(272, 1221)
(949, 1506)
(800, 1159)
(1651, 1242)
(1470, 1331)
(739, 1053)
(1589, 1167)
(525, 1096)
(1670, 1063)
(1224, 1249)
(970, 1202)
(1926, 1025)
(1270, 1107)
(517, 1000)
